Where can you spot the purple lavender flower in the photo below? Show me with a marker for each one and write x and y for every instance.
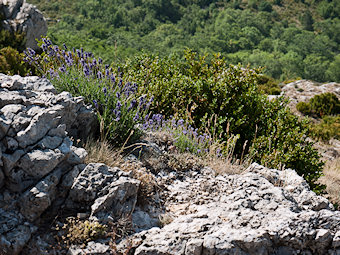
(181, 122)
(95, 103)
(132, 104)
(82, 62)
(99, 75)
(136, 118)
(86, 70)
(118, 105)
(100, 61)
(105, 91)
(118, 115)
(65, 47)
(62, 69)
(118, 95)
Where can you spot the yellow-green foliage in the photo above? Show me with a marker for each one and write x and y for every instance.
(77, 231)
(328, 128)
(268, 85)
(320, 105)
(11, 62)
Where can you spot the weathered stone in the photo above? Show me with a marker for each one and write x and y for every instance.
(36, 200)
(2, 177)
(10, 110)
(38, 128)
(39, 163)
(10, 160)
(35, 153)
(262, 211)
(13, 242)
(59, 131)
(10, 97)
(102, 190)
(50, 142)
(24, 18)
(336, 240)
(91, 248)
(77, 156)
(4, 126)
(10, 143)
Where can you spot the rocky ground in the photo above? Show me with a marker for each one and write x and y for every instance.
(156, 208)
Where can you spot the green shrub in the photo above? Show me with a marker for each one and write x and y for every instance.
(14, 40)
(11, 62)
(325, 104)
(320, 105)
(328, 128)
(268, 85)
(282, 142)
(197, 88)
(303, 107)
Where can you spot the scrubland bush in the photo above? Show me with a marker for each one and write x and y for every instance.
(196, 89)
(328, 128)
(11, 62)
(320, 105)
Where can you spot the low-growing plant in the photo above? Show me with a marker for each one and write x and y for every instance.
(282, 144)
(328, 128)
(320, 105)
(119, 106)
(11, 62)
(76, 231)
(268, 85)
(325, 104)
(303, 107)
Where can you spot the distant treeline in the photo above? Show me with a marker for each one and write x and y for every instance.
(290, 38)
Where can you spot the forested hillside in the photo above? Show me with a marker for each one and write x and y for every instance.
(290, 38)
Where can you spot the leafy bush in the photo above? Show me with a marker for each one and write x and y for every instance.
(197, 88)
(118, 105)
(268, 85)
(325, 104)
(328, 128)
(11, 62)
(303, 107)
(14, 40)
(282, 142)
(320, 105)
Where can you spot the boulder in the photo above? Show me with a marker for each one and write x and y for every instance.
(22, 17)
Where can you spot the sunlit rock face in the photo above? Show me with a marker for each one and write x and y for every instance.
(20, 16)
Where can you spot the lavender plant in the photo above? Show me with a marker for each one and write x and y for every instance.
(189, 139)
(117, 102)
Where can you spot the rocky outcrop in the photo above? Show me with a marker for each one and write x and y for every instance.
(261, 211)
(304, 90)
(36, 152)
(21, 17)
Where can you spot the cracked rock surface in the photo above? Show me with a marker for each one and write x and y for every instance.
(35, 152)
(22, 17)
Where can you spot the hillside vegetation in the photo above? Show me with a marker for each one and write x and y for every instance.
(290, 38)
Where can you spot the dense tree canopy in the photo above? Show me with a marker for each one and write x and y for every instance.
(291, 38)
